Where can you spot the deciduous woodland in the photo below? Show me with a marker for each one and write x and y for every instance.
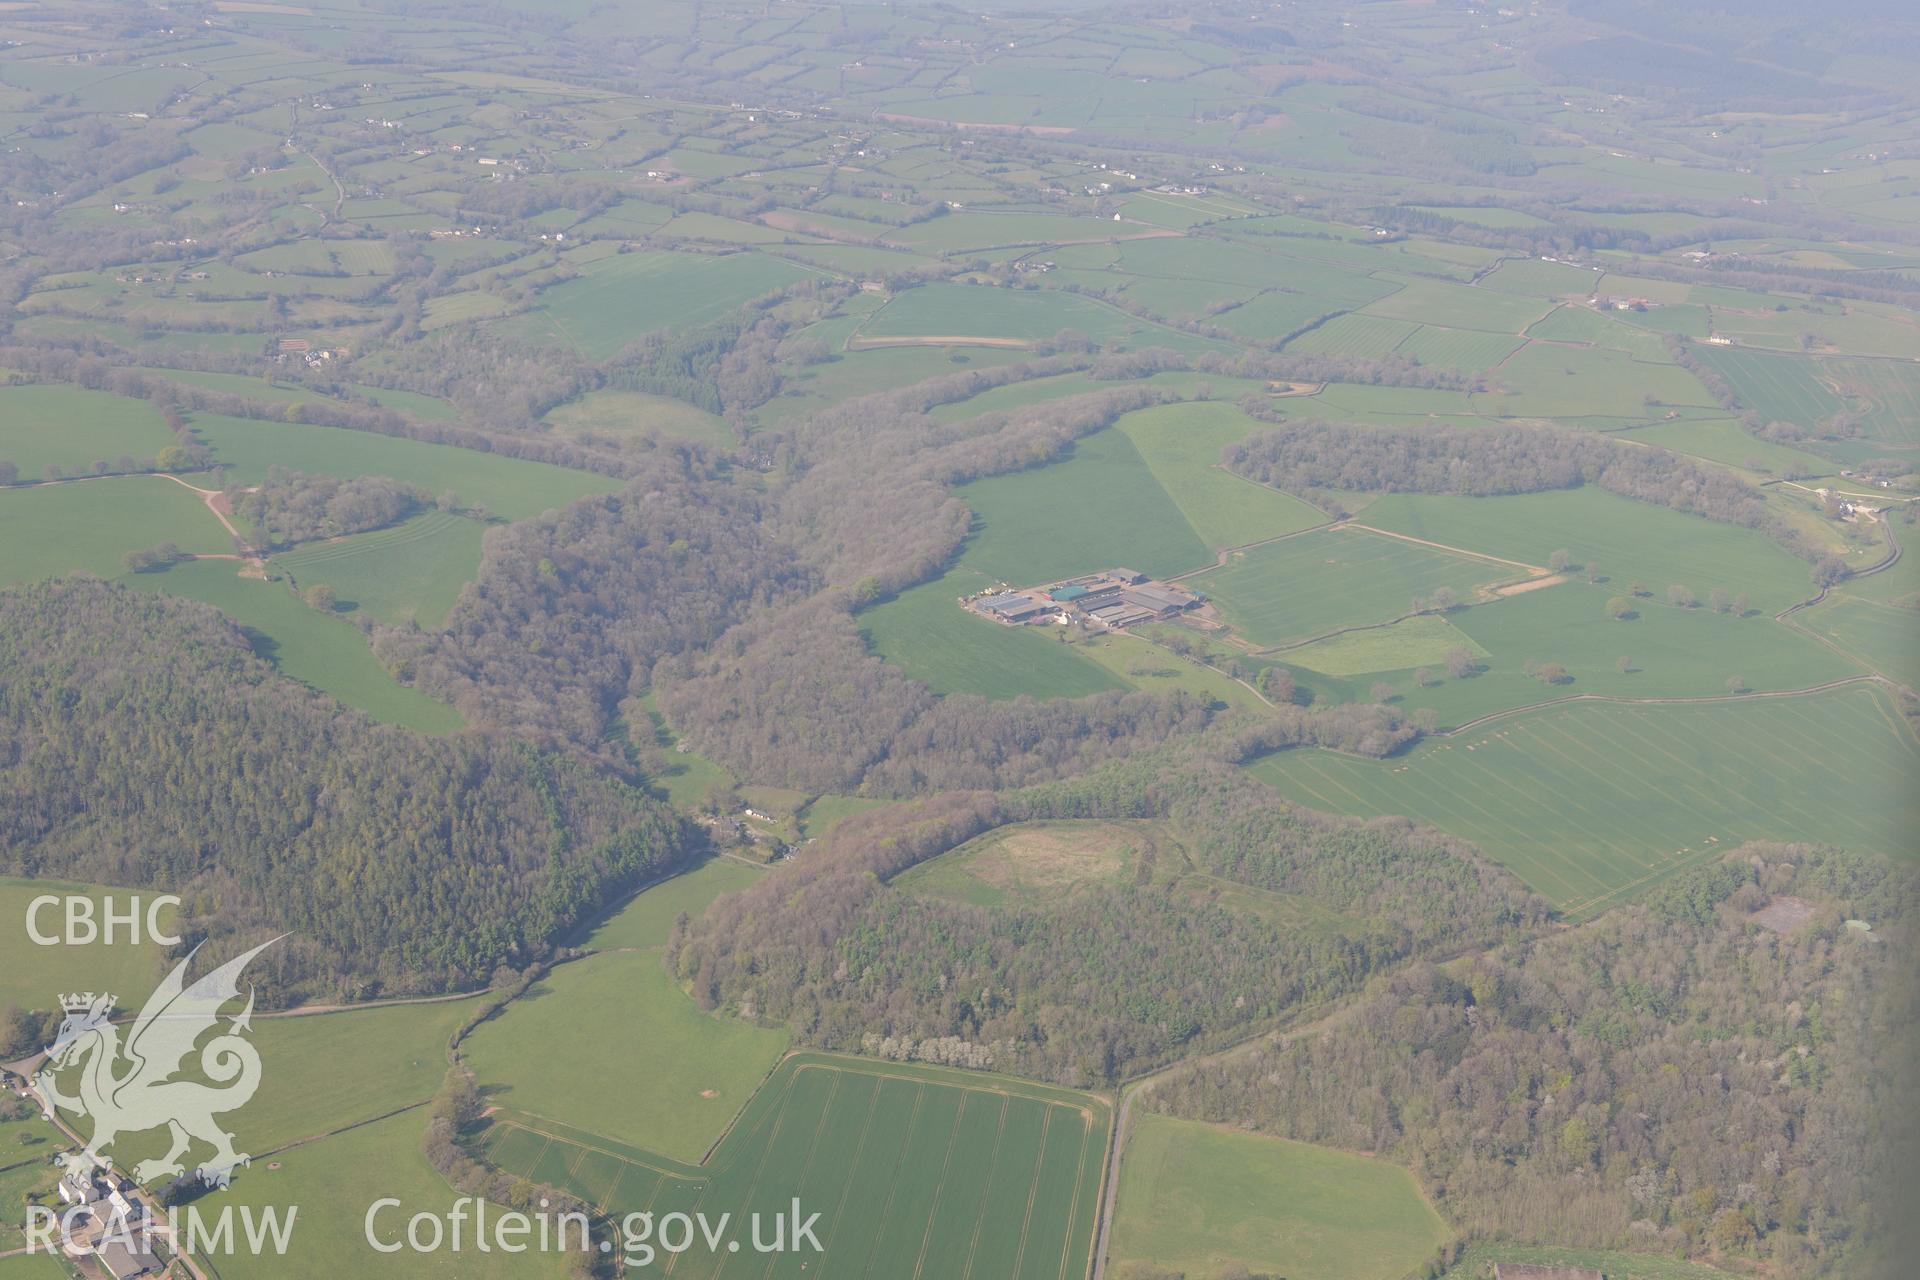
(1316, 596)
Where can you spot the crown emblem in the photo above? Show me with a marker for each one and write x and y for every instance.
(82, 1001)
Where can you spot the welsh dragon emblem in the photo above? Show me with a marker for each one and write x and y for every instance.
(131, 1087)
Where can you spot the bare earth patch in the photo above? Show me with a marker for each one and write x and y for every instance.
(1531, 584)
(1784, 914)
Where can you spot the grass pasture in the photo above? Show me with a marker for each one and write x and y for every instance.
(1409, 643)
(330, 1180)
(1887, 392)
(1031, 864)
(88, 525)
(657, 1072)
(1545, 381)
(1457, 348)
(916, 1171)
(327, 653)
(1778, 387)
(508, 487)
(1100, 507)
(1011, 316)
(647, 918)
(633, 415)
(619, 298)
(1198, 1198)
(1458, 306)
(33, 976)
(1885, 637)
(1355, 334)
(49, 425)
(1320, 581)
(414, 570)
(1626, 540)
(1181, 444)
(1593, 803)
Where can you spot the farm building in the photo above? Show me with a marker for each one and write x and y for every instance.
(1011, 608)
(1116, 598)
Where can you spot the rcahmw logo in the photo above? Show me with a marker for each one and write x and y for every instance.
(135, 1086)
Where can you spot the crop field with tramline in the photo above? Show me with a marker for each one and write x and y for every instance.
(915, 1171)
(1592, 803)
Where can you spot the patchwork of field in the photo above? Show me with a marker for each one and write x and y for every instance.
(1322, 580)
(617, 299)
(1198, 1198)
(914, 1170)
(1592, 803)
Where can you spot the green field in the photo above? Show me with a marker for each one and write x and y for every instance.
(34, 976)
(1031, 864)
(413, 571)
(1197, 1198)
(1181, 445)
(1355, 334)
(1407, 644)
(1673, 652)
(1021, 315)
(71, 428)
(657, 1072)
(327, 653)
(326, 1072)
(335, 1182)
(1593, 803)
(629, 415)
(508, 487)
(88, 525)
(1457, 348)
(1780, 388)
(1458, 306)
(1886, 637)
(1887, 393)
(617, 299)
(1626, 540)
(1306, 586)
(926, 633)
(647, 918)
(1545, 381)
(1099, 508)
(915, 1171)
(1725, 440)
